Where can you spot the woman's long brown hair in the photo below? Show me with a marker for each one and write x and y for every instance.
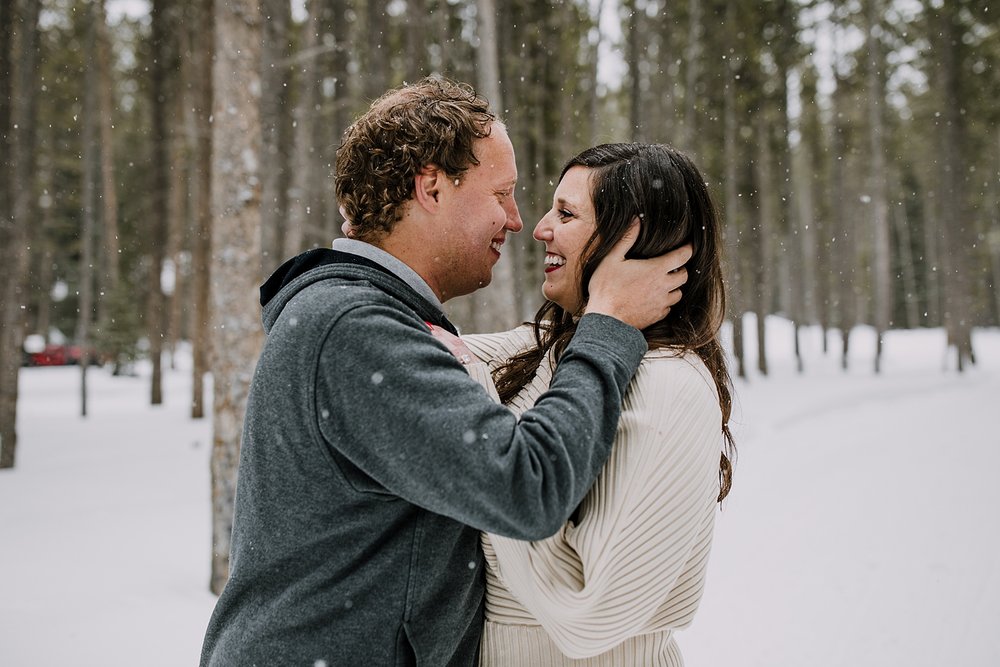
(666, 191)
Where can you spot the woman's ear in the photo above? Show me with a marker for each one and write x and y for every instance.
(427, 187)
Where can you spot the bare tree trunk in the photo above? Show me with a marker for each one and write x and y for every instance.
(526, 134)
(302, 201)
(377, 76)
(184, 138)
(806, 219)
(765, 219)
(956, 226)
(666, 93)
(877, 177)
(841, 248)
(733, 225)
(488, 70)
(495, 304)
(594, 55)
(6, 98)
(813, 213)
(417, 61)
(907, 268)
(87, 229)
(109, 276)
(932, 255)
(692, 64)
(177, 199)
(236, 246)
(45, 255)
(633, 58)
(994, 249)
(993, 235)
(12, 232)
(805, 252)
(160, 186)
(540, 186)
(93, 164)
(796, 260)
(203, 51)
(340, 102)
(783, 49)
(277, 130)
(18, 129)
(492, 307)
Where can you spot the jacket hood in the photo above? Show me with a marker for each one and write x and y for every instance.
(323, 263)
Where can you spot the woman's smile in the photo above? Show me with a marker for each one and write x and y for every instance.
(553, 262)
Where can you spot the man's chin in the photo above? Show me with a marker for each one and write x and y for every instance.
(480, 285)
(483, 282)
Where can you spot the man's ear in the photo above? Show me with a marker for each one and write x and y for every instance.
(427, 187)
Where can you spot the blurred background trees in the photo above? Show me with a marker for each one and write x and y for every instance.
(853, 147)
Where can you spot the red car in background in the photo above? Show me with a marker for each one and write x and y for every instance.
(55, 355)
(39, 353)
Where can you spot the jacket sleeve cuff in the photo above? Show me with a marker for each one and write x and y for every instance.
(623, 341)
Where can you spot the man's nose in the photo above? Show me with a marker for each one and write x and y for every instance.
(514, 222)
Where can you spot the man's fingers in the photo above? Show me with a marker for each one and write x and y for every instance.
(678, 257)
(633, 290)
(625, 242)
(676, 278)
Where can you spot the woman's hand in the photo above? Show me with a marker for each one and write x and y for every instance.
(454, 345)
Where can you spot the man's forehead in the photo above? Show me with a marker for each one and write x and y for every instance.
(496, 155)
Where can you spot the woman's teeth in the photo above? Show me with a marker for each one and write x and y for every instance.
(554, 260)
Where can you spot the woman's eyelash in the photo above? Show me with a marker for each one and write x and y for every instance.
(563, 213)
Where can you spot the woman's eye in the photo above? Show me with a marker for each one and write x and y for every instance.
(564, 214)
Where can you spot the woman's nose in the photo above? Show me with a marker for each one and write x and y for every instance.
(543, 230)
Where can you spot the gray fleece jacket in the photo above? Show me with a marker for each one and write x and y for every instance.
(371, 460)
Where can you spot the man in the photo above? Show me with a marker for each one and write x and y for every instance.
(370, 458)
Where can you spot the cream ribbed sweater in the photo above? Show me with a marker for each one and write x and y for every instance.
(611, 588)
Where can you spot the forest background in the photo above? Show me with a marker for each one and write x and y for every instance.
(158, 163)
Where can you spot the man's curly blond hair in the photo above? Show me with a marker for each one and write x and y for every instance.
(433, 121)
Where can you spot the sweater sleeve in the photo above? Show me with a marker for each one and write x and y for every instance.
(496, 348)
(393, 401)
(593, 585)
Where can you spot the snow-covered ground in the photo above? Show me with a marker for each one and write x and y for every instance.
(860, 530)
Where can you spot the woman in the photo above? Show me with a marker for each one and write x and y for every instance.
(628, 568)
